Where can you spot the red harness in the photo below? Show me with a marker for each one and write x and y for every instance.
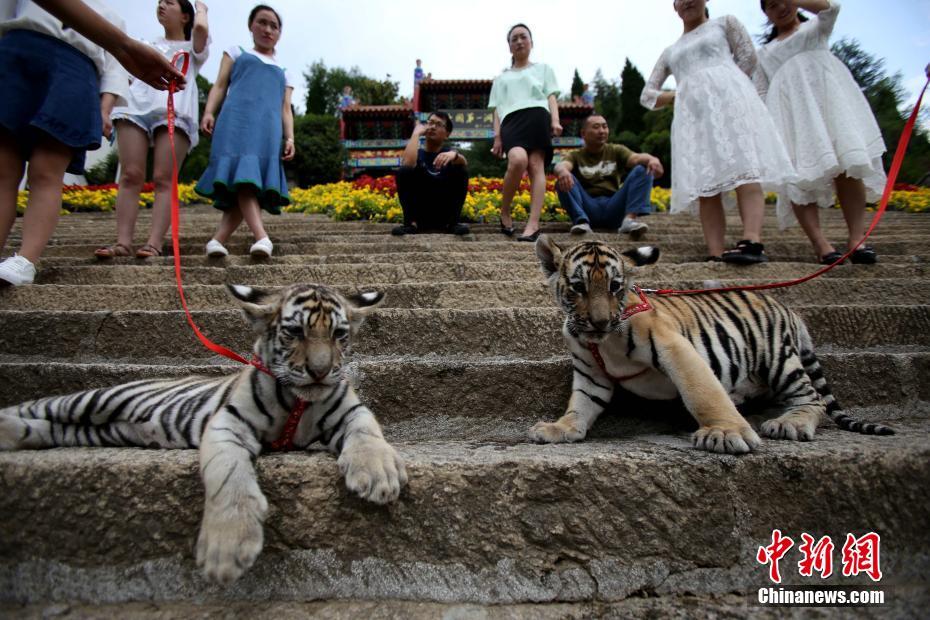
(642, 306)
(285, 442)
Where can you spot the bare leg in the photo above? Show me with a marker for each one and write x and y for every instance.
(11, 173)
(230, 221)
(851, 193)
(251, 211)
(47, 166)
(809, 218)
(537, 170)
(714, 224)
(751, 202)
(162, 174)
(133, 146)
(517, 162)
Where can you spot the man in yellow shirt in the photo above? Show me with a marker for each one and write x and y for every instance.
(589, 185)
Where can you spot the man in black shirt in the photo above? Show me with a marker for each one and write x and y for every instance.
(432, 181)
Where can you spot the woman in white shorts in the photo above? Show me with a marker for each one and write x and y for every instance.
(144, 123)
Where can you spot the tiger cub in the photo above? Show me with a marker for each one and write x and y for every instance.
(303, 337)
(714, 350)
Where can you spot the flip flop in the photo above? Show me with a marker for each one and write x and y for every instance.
(112, 251)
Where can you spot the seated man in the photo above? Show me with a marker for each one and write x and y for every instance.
(589, 183)
(432, 181)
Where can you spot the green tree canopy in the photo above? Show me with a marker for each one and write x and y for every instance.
(577, 85)
(631, 87)
(886, 98)
(325, 85)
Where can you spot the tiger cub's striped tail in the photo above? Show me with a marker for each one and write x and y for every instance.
(842, 419)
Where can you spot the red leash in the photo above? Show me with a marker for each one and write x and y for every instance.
(286, 440)
(886, 195)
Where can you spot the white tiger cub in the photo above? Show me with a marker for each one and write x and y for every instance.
(304, 333)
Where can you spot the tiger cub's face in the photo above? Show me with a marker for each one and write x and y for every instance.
(590, 281)
(305, 330)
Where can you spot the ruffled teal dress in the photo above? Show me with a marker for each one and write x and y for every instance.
(247, 145)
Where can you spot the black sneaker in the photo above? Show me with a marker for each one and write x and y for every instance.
(458, 229)
(746, 252)
(404, 229)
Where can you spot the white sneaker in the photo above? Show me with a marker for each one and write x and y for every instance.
(262, 248)
(17, 270)
(632, 227)
(215, 249)
(581, 229)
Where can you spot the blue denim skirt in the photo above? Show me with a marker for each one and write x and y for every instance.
(51, 88)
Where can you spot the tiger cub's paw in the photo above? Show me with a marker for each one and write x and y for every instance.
(555, 432)
(373, 469)
(231, 538)
(12, 432)
(729, 440)
(793, 428)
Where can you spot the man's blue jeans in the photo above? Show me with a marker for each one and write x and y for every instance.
(634, 196)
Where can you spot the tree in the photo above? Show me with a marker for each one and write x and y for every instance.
(577, 86)
(320, 156)
(607, 103)
(196, 161)
(631, 87)
(481, 162)
(886, 96)
(325, 85)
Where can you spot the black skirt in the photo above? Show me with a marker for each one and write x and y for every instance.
(530, 128)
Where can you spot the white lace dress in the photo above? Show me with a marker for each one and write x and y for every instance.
(822, 115)
(722, 134)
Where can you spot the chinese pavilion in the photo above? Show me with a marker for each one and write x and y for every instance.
(374, 136)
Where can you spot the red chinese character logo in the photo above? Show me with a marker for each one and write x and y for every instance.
(817, 557)
(861, 555)
(773, 553)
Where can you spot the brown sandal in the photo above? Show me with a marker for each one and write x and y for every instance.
(147, 251)
(112, 251)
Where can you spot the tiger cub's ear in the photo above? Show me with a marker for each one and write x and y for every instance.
(646, 255)
(258, 306)
(361, 304)
(549, 254)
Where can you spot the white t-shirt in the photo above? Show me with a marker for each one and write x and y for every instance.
(237, 50)
(144, 100)
(26, 15)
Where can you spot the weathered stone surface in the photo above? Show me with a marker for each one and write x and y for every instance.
(480, 398)
(479, 523)
(671, 607)
(466, 295)
(464, 357)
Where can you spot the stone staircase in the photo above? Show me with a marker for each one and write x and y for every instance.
(462, 359)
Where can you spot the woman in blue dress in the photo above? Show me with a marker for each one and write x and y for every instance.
(245, 174)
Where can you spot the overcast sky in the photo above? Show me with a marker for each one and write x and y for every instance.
(467, 39)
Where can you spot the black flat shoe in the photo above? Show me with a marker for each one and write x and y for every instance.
(831, 257)
(865, 256)
(507, 231)
(529, 238)
(746, 252)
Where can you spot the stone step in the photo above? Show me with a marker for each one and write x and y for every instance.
(296, 242)
(906, 602)
(468, 397)
(474, 295)
(481, 523)
(524, 332)
(294, 255)
(271, 274)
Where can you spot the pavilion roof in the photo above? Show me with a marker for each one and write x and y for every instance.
(381, 111)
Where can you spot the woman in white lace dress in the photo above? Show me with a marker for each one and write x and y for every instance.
(722, 135)
(825, 122)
